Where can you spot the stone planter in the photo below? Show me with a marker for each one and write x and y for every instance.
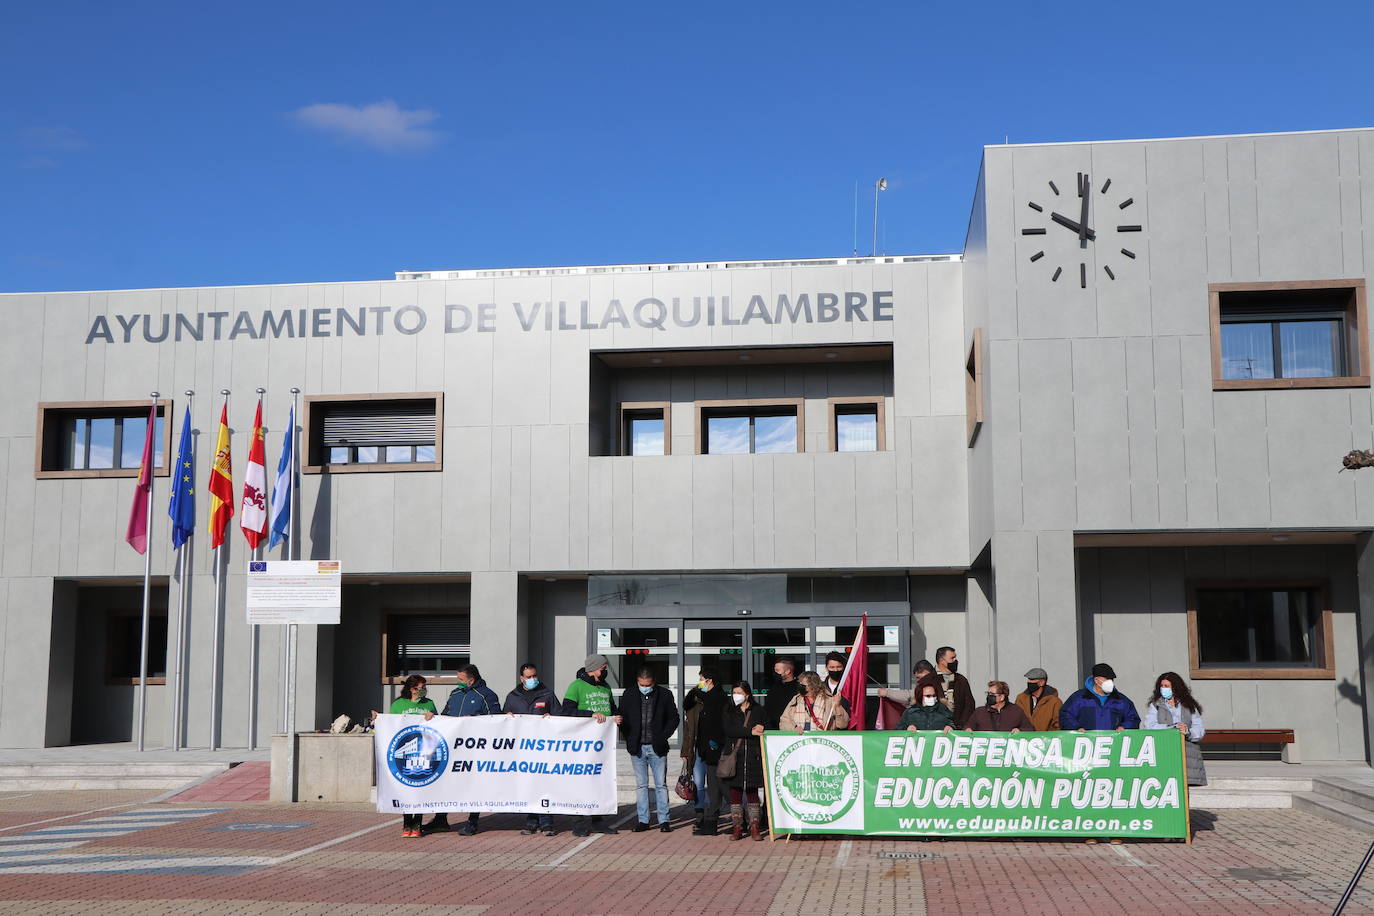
(330, 768)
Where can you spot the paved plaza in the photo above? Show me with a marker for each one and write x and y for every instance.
(124, 852)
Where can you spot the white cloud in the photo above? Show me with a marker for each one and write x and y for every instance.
(382, 125)
(51, 138)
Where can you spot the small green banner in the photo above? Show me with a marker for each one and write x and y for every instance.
(1046, 784)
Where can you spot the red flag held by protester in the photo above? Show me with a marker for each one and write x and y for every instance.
(137, 533)
(854, 682)
(889, 714)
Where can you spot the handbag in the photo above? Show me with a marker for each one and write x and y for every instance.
(729, 763)
(686, 785)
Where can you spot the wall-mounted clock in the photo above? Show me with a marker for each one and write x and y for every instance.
(1072, 231)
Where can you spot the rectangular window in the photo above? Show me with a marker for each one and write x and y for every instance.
(750, 427)
(1289, 335)
(433, 644)
(645, 428)
(359, 433)
(1247, 629)
(973, 387)
(124, 646)
(857, 425)
(99, 438)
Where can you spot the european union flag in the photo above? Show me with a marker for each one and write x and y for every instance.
(182, 508)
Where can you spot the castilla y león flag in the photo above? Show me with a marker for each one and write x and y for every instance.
(854, 682)
(253, 512)
(221, 483)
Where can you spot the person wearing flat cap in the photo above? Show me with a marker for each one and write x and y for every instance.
(1040, 702)
(586, 696)
(1099, 706)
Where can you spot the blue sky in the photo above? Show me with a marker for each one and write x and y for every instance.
(160, 144)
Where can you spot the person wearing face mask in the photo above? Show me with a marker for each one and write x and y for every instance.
(532, 697)
(907, 697)
(470, 697)
(1099, 706)
(999, 715)
(648, 718)
(744, 727)
(835, 663)
(958, 694)
(589, 696)
(1040, 702)
(813, 709)
(927, 713)
(411, 702)
(1172, 706)
(708, 702)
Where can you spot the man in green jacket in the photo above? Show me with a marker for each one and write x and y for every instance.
(586, 696)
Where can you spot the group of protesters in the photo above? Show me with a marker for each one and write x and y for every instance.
(723, 724)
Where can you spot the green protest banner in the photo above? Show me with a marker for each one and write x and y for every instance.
(1045, 784)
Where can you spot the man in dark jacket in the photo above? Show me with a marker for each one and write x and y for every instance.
(710, 739)
(999, 715)
(648, 718)
(1099, 706)
(470, 697)
(532, 697)
(589, 696)
(784, 688)
(958, 694)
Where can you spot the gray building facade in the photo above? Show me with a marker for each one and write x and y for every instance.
(1110, 430)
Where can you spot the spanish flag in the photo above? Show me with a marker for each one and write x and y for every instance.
(221, 483)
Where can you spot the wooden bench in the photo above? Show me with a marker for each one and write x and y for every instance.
(1236, 742)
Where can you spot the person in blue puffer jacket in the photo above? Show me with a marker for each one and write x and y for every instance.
(470, 697)
(1099, 706)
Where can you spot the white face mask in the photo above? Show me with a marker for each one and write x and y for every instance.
(1108, 686)
(929, 701)
(738, 698)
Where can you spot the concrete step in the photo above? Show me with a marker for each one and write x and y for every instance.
(1258, 783)
(1212, 799)
(1335, 810)
(1345, 790)
(103, 776)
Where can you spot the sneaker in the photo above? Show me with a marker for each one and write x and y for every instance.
(467, 830)
(1090, 841)
(528, 831)
(1116, 841)
(665, 828)
(641, 827)
(581, 830)
(437, 826)
(551, 831)
(410, 834)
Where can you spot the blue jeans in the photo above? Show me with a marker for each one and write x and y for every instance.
(647, 760)
(699, 770)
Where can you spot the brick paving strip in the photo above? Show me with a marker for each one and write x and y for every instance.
(343, 860)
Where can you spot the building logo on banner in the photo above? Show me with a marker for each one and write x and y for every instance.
(417, 756)
(818, 780)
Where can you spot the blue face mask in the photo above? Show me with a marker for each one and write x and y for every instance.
(531, 683)
(1166, 692)
(646, 690)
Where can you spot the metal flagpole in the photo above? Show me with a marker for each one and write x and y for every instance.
(147, 594)
(291, 636)
(218, 631)
(178, 670)
(253, 639)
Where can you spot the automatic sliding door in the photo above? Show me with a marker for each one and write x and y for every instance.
(770, 641)
(713, 645)
(629, 648)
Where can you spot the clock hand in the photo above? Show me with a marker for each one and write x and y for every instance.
(1069, 224)
(1083, 191)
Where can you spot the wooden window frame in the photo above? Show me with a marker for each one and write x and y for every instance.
(385, 640)
(832, 420)
(629, 407)
(77, 407)
(127, 613)
(749, 404)
(1357, 335)
(308, 422)
(973, 388)
(1326, 670)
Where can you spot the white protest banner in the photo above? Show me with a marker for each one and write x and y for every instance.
(495, 763)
